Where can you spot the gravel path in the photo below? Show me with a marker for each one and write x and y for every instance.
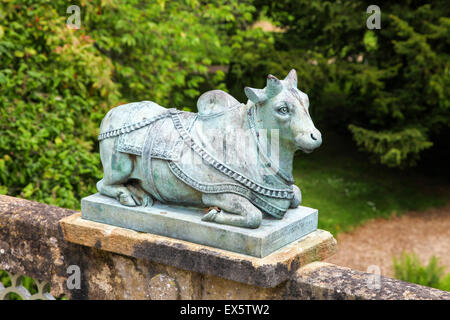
(376, 242)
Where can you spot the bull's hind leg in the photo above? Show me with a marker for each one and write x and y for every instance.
(117, 191)
(242, 212)
(116, 173)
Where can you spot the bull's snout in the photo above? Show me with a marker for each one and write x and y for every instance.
(309, 141)
(316, 137)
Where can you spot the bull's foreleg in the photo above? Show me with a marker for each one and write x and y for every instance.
(242, 213)
(297, 200)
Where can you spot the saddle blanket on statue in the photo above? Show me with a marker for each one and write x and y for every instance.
(159, 138)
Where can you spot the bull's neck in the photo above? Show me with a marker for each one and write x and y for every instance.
(283, 169)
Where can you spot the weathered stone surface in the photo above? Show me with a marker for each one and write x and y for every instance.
(31, 243)
(265, 272)
(185, 223)
(30, 239)
(216, 288)
(325, 281)
(164, 288)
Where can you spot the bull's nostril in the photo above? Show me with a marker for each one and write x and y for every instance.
(312, 137)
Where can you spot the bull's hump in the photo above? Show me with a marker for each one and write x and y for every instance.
(215, 102)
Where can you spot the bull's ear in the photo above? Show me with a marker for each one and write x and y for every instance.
(291, 78)
(255, 95)
(273, 87)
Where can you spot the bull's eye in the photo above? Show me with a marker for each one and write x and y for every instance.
(283, 110)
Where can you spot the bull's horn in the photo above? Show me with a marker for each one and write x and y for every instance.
(291, 78)
(255, 95)
(274, 86)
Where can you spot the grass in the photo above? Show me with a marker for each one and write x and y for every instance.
(349, 190)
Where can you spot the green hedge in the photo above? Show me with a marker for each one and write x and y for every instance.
(56, 83)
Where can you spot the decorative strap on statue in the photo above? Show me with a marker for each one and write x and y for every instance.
(132, 127)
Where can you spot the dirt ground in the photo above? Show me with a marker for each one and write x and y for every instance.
(376, 242)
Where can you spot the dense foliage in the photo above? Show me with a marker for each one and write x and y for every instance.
(54, 87)
(57, 83)
(389, 86)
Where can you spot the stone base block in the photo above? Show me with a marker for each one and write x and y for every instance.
(269, 271)
(185, 223)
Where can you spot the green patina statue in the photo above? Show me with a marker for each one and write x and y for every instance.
(235, 159)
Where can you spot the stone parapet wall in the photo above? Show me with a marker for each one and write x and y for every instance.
(33, 243)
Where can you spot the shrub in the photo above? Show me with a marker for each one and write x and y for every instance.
(55, 86)
(409, 268)
(56, 83)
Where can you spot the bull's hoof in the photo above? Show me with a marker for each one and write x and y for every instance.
(127, 200)
(211, 215)
(147, 201)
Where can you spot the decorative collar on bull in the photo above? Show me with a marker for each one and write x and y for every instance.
(232, 158)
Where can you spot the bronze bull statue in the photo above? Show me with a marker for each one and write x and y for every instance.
(152, 153)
